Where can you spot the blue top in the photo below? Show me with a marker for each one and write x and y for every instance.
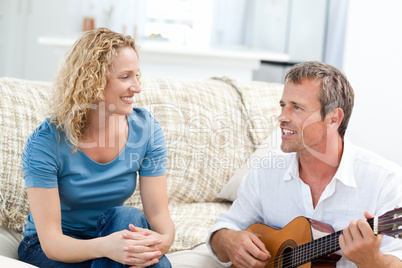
(87, 188)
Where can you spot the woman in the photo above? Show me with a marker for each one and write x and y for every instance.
(80, 166)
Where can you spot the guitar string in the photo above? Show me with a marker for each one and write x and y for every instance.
(384, 221)
(335, 243)
(315, 247)
(305, 255)
(333, 246)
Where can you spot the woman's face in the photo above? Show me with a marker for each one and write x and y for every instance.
(123, 82)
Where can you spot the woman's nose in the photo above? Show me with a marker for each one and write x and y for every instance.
(135, 87)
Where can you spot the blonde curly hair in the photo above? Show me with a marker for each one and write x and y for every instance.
(82, 78)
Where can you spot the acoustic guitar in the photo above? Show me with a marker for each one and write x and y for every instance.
(306, 242)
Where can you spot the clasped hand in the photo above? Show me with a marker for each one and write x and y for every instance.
(137, 247)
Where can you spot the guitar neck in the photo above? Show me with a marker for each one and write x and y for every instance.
(318, 248)
(315, 249)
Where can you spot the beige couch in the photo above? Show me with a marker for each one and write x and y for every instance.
(212, 127)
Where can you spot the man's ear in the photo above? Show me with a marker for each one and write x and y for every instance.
(335, 117)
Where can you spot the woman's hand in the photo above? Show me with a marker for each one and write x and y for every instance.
(137, 247)
(163, 244)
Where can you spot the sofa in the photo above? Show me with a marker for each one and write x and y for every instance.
(213, 128)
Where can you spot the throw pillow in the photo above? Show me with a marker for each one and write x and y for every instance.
(270, 144)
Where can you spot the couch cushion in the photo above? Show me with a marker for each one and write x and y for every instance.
(23, 105)
(195, 258)
(210, 126)
(193, 221)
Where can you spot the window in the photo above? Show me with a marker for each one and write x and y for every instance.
(179, 21)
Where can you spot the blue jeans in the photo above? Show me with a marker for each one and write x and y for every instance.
(114, 220)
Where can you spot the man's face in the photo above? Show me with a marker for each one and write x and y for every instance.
(300, 120)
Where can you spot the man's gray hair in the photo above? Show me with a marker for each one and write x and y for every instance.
(336, 92)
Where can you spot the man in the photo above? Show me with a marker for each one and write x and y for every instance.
(326, 178)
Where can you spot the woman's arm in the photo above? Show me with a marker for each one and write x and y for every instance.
(45, 208)
(46, 212)
(155, 202)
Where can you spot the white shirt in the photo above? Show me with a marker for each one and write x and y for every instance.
(274, 194)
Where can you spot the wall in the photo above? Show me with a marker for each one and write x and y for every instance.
(373, 65)
(21, 23)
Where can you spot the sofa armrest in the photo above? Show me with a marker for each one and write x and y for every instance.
(9, 242)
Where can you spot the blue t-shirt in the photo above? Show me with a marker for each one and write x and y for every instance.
(87, 188)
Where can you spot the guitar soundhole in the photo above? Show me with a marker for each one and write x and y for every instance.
(285, 254)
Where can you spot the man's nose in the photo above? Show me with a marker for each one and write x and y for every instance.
(284, 117)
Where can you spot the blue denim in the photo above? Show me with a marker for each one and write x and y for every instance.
(114, 220)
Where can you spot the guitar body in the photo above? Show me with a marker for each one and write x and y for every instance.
(298, 232)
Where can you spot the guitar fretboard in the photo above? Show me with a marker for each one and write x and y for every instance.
(317, 248)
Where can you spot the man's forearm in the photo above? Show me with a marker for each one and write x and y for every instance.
(218, 244)
(390, 261)
(384, 261)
